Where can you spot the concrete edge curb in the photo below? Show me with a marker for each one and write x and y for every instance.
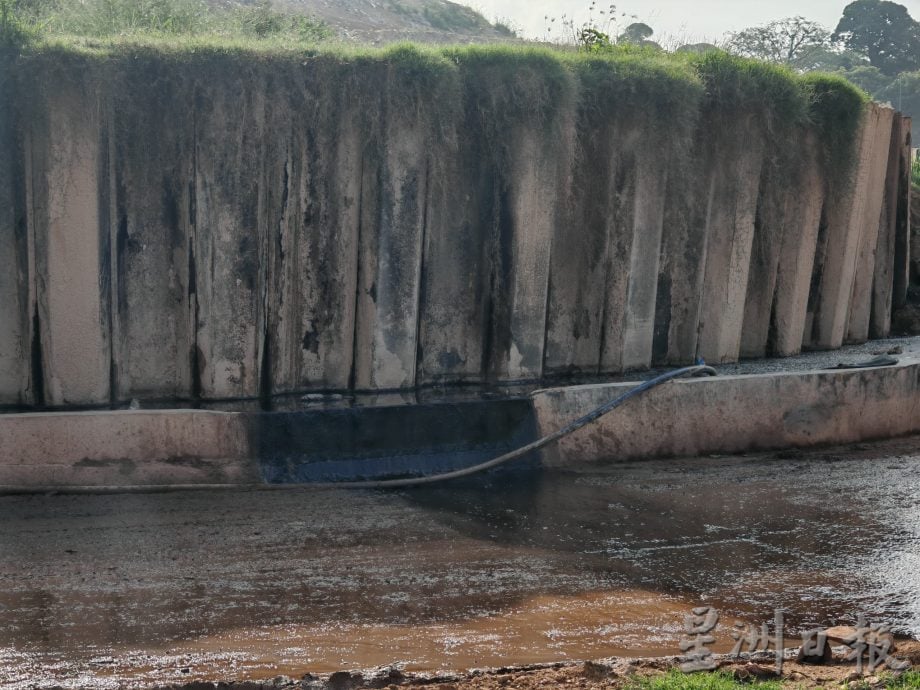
(187, 450)
(733, 414)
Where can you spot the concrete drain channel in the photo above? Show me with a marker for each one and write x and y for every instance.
(152, 449)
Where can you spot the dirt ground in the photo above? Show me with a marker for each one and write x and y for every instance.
(619, 673)
(594, 675)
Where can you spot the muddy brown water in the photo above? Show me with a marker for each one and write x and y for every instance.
(508, 568)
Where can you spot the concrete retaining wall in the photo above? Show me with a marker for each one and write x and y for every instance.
(235, 229)
(125, 448)
(728, 414)
(852, 211)
(682, 418)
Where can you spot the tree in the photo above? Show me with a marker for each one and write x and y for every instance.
(884, 32)
(593, 40)
(697, 48)
(831, 59)
(636, 33)
(869, 79)
(789, 41)
(903, 92)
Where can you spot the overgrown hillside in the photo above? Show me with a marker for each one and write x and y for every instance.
(369, 22)
(383, 21)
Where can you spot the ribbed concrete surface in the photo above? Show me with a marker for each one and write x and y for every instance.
(177, 232)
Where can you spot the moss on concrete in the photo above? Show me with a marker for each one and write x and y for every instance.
(340, 218)
(670, 90)
(836, 111)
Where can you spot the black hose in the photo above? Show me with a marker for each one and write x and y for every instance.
(594, 415)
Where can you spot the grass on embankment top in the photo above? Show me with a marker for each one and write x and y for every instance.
(671, 90)
(232, 19)
(731, 81)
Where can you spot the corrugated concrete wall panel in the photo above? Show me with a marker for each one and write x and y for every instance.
(15, 293)
(729, 238)
(648, 226)
(70, 241)
(788, 216)
(796, 261)
(621, 229)
(861, 298)
(230, 241)
(845, 213)
(902, 243)
(313, 255)
(391, 257)
(579, 264)
(883, 278)
(691, 190)
(455, 299)
(525, 243)
(148, 209)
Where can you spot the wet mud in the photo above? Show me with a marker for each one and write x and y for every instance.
(508, 568)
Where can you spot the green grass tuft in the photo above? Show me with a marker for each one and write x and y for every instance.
(155, 20)
(114, 17)
(735, 84)
(262, 20)
(836, 110)
(17, 29)
(651, 86)
(505, 28)
(908, 679)
(717, 680)
(525, 84)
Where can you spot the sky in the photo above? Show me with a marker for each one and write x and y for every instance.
(689, 21)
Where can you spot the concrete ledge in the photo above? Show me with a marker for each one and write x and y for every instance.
(182, 449)
(153, 450)
(125, 448)
(735, 414)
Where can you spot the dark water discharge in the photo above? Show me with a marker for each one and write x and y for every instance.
(508, 568)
